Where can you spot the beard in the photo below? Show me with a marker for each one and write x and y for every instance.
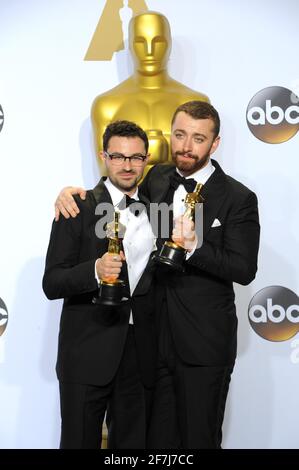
(124, 185)
(191, 164)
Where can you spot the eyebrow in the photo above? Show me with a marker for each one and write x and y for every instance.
(196, 134)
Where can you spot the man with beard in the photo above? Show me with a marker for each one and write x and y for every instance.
(197, 323)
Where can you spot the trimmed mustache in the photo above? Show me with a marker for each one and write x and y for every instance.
(127, 172)
(190, 155)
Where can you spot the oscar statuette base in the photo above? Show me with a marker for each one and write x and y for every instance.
(110, 293)
(172, 255)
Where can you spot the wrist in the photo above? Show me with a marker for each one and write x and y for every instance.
(192, 244)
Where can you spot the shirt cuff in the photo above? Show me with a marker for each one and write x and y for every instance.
(190, 253)
(95, 272)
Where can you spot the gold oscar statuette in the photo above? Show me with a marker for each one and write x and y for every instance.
(111, 291)
(172, 254)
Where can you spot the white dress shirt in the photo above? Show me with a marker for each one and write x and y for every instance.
(200, 176)
(139, 240)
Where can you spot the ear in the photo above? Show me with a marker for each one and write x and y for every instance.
(215, 145)
(101, 156)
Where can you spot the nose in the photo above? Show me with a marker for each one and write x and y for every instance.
(187, 144)
(149, 48)
(127, 164)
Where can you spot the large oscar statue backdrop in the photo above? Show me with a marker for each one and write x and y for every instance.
(150, 96)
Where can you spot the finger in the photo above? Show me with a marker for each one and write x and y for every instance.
(175, 221)
(186, 222)
(75, 190)
(114, 257)
(189, 231)
(178, 241)
(115, 265)
(71, 190)
(70, 206)
(114, 270)
(179, 224)
(189, 235)
(111, 262)
(110, 273)
(110, 277)
(188, 226)
(119, 258)
(66, 199)
(75, 208)
(63, 211)
(82, 193)
(57, 213)
(177, 232)
(71, 209)
(65, 195)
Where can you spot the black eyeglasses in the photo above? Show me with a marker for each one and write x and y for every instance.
(118, 158)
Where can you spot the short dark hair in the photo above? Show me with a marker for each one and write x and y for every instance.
(124, 129)
(200, 110)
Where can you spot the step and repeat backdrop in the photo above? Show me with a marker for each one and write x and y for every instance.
(55, 58)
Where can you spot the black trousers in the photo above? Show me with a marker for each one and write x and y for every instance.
(189, 401)
(125, 399)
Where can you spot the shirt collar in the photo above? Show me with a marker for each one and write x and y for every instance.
(116, 194)
(202, 175)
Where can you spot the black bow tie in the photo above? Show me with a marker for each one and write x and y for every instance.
(175, 180)
(136, 207)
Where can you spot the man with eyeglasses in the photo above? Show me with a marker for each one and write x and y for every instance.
(106, 355)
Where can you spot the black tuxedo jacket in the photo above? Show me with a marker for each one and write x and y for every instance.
(200, 301)
(92, 337)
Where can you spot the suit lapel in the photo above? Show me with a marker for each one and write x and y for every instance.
(213, 192)
(101, 193)
(160, 185)
(146, 203)
(145, 280)
(100, 196)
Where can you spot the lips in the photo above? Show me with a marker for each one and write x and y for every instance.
(186, 156)
(126, 175)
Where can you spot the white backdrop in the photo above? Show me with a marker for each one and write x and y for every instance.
(228, 49)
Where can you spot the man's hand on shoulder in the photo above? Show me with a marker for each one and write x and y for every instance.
(65, 204)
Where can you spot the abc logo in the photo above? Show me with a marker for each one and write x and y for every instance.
(1, 118)
(274, 313)
(3, 317)
(273, 115)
